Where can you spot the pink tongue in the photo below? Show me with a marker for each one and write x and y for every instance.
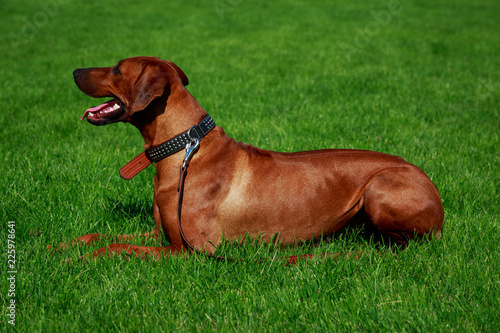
(101, 107)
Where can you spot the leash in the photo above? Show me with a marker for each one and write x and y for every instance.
(191, 149)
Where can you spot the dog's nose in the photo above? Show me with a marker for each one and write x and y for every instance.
(76, 74)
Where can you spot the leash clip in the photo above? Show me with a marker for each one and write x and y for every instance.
(191, 147)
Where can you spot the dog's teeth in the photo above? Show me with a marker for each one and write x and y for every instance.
(111, 109)
(116, 107)
(91, 114)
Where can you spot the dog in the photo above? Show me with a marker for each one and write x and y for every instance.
(233, 189)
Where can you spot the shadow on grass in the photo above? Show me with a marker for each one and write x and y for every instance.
(130, 210)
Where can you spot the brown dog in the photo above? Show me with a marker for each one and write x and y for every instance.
(233, 188)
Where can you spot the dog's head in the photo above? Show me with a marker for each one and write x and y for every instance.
(132, 84)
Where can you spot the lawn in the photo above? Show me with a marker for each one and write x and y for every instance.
(418, 79)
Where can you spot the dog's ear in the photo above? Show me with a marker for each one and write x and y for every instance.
(184, 78)
(150, 85)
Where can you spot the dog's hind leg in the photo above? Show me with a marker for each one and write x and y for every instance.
(402, 203)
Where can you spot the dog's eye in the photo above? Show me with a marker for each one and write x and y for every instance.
(116, 70)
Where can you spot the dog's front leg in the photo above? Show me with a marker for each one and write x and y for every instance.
(138, 251)
(88, 239)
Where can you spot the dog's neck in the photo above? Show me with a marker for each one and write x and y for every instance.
(169, 116)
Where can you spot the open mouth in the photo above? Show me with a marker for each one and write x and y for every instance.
(105, 113)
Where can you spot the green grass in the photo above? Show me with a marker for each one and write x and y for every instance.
(288, 76)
